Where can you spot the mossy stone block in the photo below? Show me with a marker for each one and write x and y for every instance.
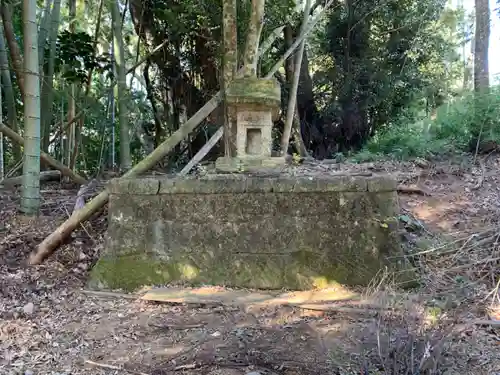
(248, 231)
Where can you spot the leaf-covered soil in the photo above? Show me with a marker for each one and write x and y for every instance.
(50, 325)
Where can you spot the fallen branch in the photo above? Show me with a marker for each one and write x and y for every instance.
(96, 293)
(57, 237)
(50, 243)
(491, 323)
(44, 176)
(62, 127)
(412, 189)
(112, 367)
(15, 168)
(368, 309)
(190, 366)
(49, 160)
(481, 178)
(178, 327)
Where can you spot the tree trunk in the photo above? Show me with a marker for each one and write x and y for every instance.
(125, 157)
(30, 197)
(2, 161)
(250, 55)
(88, 84)
(151, 96)
(71, 134)
(308, 28)
(481, 44)
(9, 93)
(229, 67)
(48, 82)
(292, 95)
(42, 36)
(15, 52)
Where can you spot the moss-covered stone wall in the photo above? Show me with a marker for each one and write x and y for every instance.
(257, 232)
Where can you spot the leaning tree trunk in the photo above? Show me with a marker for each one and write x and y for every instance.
(30, 198)
(9, 93)
(292, 95)
(48, 82)
(481, 44)
(125, 158)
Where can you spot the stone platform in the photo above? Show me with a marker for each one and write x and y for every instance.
(247, 231)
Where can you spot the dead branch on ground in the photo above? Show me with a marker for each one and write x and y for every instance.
(65, 171)
(44, 176)
(413, 189)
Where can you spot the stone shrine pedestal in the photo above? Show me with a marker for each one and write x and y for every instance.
(253, 104)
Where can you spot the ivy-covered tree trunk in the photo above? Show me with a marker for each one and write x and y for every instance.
(230, 65)
(30, 197)
(125, 157)
(251, 53)
(48, 82)
(481, 46)
(8, 93)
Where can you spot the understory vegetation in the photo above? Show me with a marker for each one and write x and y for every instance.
(465, 124)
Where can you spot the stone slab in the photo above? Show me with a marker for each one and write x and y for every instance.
(252, 90)
(208, 295)
(245, 182)
(247, 164)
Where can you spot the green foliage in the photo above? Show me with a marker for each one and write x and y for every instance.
(469, 118)
(456, 128)
(76, 56)
(402, 141)
(377, 58)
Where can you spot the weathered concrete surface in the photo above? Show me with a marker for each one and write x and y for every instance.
(258, 232)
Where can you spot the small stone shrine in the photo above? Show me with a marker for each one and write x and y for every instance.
(253, 103)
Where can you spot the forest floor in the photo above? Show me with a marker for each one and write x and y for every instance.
(451, 325)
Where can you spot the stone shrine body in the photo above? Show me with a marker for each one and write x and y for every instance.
(253, 104)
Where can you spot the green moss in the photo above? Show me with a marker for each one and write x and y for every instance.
(254, 90)
(130, 272)
(316, 271)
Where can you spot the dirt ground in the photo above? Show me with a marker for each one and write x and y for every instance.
(450, 211)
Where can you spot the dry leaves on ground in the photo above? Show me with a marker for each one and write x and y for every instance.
(47, 326)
